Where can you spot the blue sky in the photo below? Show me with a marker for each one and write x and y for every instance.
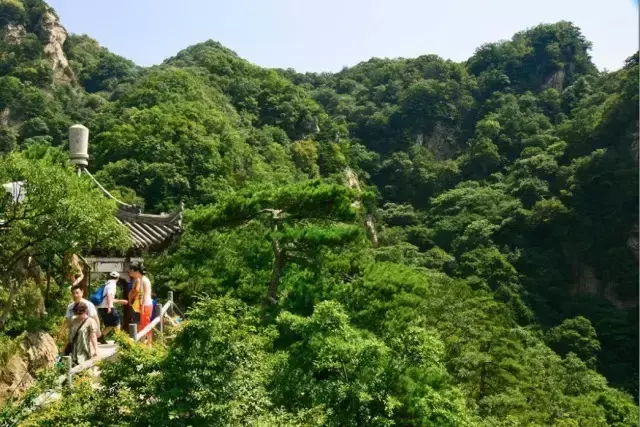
(327, 35)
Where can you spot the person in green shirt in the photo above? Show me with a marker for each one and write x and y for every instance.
(83, 335)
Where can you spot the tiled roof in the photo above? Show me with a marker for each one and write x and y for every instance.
(147, 231)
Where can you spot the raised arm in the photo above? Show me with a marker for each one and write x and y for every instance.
(78, 278)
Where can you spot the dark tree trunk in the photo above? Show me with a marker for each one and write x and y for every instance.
(126, 309)
(84, 283)
(483, 379)
(7, 308)
(276, 272)
(278, 259)
(48, 288)
(483, 375)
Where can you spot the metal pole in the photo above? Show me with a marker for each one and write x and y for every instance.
(67, 364)
(178, 310)
(170, 297)
(133, 330)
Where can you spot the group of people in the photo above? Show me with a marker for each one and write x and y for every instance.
(83, 318)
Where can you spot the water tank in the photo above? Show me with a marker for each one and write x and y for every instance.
(79, 145)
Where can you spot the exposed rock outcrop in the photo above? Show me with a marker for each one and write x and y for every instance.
(586, 282)
(14, 33)
(40, 350)
(53, 49)
(354, 183)
(556, 80)
(5, 116)
(352, 179)
(37, 351)
(315, 128)
(15, 378)
(371, 230)
(440, 142)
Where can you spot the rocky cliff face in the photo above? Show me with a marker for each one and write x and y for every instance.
(439, 142)
(14, 33)
(352, 179)
(556, 80)
(37, 351)
(353, 182)
(586, 282)
(53, 49)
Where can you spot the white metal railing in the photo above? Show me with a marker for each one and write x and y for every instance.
(52, 395)
(133, 328)
(133, 333)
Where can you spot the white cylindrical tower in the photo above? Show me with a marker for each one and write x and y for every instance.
(79, 145)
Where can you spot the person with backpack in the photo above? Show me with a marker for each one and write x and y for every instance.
(105, 298)
(83, 342)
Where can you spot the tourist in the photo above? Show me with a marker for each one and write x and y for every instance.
(134, 295)
(83, 335)
(146, 304)
(106, 310)
(72, 269)
(124, 287)
(77, 295)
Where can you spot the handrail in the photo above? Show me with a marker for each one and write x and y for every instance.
(82, 367)
(71, 371)
(133, 333)
(138, 336)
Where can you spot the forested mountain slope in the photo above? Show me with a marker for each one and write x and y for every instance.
(500, 288)
(525, 144)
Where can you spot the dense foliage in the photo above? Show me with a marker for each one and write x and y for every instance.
(440, 243)
(57, 212)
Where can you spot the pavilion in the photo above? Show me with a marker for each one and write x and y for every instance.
(148, 233)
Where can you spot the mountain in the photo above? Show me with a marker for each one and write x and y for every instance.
(500, 287)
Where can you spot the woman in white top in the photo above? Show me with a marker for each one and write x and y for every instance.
(146, 310)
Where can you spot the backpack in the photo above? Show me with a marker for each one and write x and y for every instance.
(154, 312)
(97, 297)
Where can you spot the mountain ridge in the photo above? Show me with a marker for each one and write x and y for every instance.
(505, 186)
